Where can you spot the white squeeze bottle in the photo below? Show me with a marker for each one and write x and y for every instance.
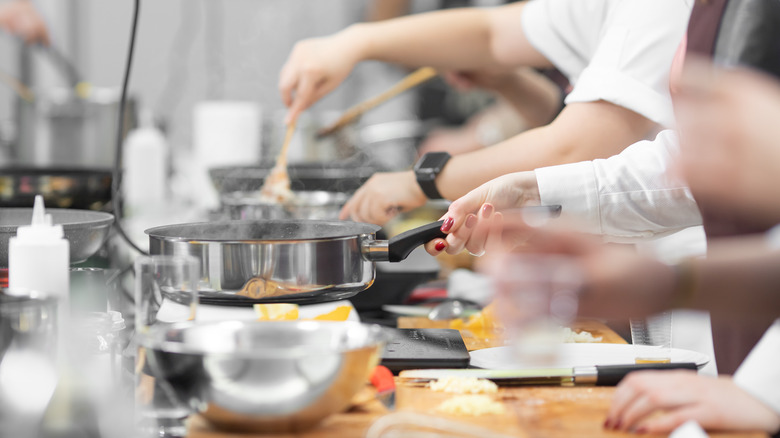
(39, 257)
(145, 161)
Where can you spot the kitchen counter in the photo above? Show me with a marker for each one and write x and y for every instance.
(531, 411)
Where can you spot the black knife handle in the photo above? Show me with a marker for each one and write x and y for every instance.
(611, 375)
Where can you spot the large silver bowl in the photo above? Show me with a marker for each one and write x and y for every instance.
(263, 376)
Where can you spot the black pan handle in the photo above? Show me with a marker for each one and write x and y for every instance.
(400, 246)
(611, 375)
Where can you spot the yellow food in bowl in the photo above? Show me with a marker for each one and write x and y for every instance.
(289, 312)
(276, 312)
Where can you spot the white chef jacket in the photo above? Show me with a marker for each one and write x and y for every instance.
(619, 51)
(627, 196)
(759, 373)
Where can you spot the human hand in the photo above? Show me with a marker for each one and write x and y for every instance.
(661, 401)
(475, 222)
(21, 18)
(616, 281)
(729, 135)
(382, 197)
(316, 67)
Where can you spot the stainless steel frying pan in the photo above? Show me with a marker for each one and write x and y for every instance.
(301, 261)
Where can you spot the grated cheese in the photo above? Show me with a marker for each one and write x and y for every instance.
(463, 385)
(474, 405)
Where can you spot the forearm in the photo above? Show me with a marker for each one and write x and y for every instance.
(582, 132)
(739, 278)
(380, 10)
(535, 98)
(456, 39)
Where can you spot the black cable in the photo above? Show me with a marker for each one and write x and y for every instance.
(116, 182)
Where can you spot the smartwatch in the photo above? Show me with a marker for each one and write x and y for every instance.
(427, 169)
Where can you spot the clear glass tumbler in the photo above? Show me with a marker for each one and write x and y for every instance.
(165, 292)
(652, 338)
(536, 297)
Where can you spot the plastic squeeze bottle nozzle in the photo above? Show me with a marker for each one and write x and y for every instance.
(39, 257)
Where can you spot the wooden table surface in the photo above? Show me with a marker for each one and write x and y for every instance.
(531, 411)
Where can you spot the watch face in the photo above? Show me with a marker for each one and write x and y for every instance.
(434, 161)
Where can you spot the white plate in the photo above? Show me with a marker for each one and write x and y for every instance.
(573, 355)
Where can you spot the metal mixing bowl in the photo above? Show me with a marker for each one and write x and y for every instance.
(85, 230)
(263, 376)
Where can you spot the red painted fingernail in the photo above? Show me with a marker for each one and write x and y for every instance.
(440, 245)
(641, 429)
(487, 209)
(616, 426)
(448, 223)
(606, 423)
(471, 220)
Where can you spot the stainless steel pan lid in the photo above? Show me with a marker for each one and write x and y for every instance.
(262, 231)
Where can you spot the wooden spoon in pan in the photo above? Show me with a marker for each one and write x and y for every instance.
(276, 186)
(412, 80)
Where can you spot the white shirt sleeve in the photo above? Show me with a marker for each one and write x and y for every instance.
(626, 197)
(612, 50)
(759, 373)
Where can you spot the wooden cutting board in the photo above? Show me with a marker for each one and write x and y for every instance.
(551, 412)
(554, 412)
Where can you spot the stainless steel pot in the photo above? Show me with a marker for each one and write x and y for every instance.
(288, 261)
(60, 128)
(318, 204)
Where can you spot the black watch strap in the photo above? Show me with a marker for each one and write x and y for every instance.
(427, 169)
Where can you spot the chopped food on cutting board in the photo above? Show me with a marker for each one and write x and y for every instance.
(463, 385)
(486, 324)
(472, 404)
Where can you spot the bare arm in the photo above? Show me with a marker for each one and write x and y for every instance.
(739, 276)
(380, 10)
(456, 39)
(582, 131)
(535, 97)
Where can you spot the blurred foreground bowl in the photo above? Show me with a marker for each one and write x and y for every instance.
(265, 376)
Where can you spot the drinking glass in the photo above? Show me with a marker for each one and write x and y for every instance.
(165, 292)
(29, 356)
(652, 337)
(536, 297)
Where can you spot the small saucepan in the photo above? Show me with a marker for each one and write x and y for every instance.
(294, 261)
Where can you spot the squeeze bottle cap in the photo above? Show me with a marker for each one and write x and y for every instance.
(41, 227)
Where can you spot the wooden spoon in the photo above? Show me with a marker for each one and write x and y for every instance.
(412, 80)
(276, 186)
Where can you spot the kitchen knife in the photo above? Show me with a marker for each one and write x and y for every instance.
(598, 375)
